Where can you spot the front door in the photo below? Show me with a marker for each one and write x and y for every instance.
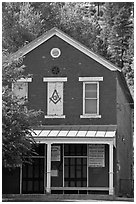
(75, 165)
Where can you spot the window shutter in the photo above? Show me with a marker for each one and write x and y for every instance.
(20, 89)
(55, 98)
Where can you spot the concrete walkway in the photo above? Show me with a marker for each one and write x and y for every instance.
(62, 198)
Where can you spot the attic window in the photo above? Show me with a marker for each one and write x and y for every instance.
(55, 52)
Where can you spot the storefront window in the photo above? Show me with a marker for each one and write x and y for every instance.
(75, 150)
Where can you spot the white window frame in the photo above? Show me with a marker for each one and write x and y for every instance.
(54, 79)
(90, 80)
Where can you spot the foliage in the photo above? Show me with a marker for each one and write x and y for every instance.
(11, 69)
(17, 120)
(117, 36)
(74, 22)
(106, 28)
(120, 35)
(20, 24)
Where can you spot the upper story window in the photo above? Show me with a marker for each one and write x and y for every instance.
(90, 97)
(55, 88)
(20, 88)
(55, 52)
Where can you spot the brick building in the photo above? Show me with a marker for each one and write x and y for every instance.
(85, 139)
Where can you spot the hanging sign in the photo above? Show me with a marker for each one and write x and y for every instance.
(96, 156)
(55, 153)
(54, 172)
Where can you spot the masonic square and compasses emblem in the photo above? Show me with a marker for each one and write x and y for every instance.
(55, 98)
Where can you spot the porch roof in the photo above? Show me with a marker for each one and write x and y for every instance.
(76, 131)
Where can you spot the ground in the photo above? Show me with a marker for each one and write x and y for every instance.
(63, 198)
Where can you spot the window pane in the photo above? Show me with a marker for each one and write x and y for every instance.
(78, 183)
(72, 184)
(84, 184)
(72, 149)
(72, 161)
(41, 185)
(36, 171)
(91, 91)
(78, 174)
(75, 150)
(84, 172)
(24, 186)
(66, 184)
(90, 87)
(84, 161)
(91, 106)
(78, 161)
(24, 171)
(30, 171)
(72, 171)
(66, 172)
(36, 185)
(66, 149)
(30, 186)
(66, 161)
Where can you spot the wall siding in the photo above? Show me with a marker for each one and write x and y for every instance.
(73, 64)
(124, 141)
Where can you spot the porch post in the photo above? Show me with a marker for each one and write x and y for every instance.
(21, 179)
(48, 188)
(45, 167)
(111, 189)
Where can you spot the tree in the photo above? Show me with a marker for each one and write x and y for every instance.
(72, 18)
(106, 28)
(20, 24)
(128, 68)
(120, 35)
(17, 120)
(76, 21)
(117, 36)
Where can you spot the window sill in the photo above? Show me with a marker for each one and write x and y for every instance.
(54, 116)
(90, 116)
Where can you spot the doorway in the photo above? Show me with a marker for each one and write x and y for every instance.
(75, 165)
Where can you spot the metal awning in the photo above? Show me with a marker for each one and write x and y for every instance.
(76, 131)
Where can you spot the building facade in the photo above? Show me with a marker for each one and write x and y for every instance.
(84, 142)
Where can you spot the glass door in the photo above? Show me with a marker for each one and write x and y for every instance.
(75, 172)
(75, 165)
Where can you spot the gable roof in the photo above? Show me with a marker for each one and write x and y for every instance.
(55, 31)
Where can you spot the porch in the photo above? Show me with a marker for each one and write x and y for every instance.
(76, 164)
